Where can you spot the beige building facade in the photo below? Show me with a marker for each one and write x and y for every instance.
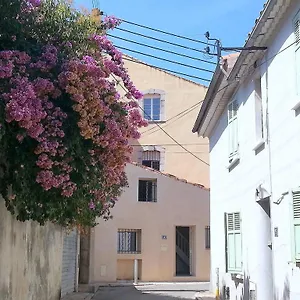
(171, 102)
(160, 227)
(167, 233)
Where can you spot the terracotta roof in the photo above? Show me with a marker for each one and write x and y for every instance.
(169, 175)
(157, 68)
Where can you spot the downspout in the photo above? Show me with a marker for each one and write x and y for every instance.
(270, 161)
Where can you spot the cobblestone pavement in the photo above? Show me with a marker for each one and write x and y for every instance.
(153, 292)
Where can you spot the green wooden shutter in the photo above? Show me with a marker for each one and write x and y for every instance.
(296, 215)
(234, 242)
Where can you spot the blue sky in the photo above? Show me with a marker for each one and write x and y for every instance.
(228, 20)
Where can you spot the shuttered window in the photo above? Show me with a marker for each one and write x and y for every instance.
(233, 242)
(297, 49)
(296, 223)
(151, 159)
(233, 128)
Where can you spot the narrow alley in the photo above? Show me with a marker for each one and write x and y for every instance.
(153, 292)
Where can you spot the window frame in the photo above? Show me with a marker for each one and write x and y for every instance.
(207, 238)
(156, 159)
(297, 51)
(234, 232)
(259, 112)
(232, 153)
(153, 188)
(149, 94)
(137, 242)
(295, 255)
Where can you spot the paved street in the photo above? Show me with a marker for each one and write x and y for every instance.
(164, 291)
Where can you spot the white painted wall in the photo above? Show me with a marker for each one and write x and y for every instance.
(235, 190)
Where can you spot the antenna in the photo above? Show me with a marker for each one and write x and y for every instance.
(96, 3)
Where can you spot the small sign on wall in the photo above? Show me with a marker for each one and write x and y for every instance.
(276, 231)
(164, 248)
(163, 237)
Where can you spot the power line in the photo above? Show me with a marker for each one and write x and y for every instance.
(164, 50)
(174, 140)
(159, 40)
(183, 113)
(167, 70)
(189, 144)
(250, 71)
(165, 32)
(164, 59)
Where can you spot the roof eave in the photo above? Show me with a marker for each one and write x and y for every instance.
(252, 39)
(210, 95)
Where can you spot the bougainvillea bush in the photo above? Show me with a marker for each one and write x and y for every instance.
(64, 129)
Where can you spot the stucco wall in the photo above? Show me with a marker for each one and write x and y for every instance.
(30, 259)
(180, 94)
(235, 190)
(178, 204)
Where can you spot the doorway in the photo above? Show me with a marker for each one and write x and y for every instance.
(183, 251)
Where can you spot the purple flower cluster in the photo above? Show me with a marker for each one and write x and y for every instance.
(48, 59)
(111, 22)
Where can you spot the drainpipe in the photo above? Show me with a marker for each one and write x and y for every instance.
(136, 271)
(218, 284)
(270, 161)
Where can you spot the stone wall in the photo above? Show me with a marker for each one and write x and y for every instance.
(30, 259)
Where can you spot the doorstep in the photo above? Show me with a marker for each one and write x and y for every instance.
(78, 296)
(204, 296)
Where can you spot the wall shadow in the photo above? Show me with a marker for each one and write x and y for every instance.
(131, 293)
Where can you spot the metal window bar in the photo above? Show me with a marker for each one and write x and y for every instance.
(207, 237)
(129, 241)
(151, 159)
(147, 191)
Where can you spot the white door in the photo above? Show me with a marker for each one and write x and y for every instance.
(69, 263)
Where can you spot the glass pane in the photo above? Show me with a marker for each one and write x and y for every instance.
(297, 240)
(156, 109)
(238, 251)
(231, 251)
(147, 108)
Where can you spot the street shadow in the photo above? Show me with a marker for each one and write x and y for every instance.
(131, 293)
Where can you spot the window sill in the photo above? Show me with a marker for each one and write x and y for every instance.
(155, 121)
(237, 273)
(258, 145)
(234, 160)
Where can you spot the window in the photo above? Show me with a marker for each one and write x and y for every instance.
(233, 128)
(259, 124)
(152, 108)
(129, 241)
(297, 49)
(233, 242)
(207, 237)
(154, 105)
(151, 159)
(147, 190)
(296, 223)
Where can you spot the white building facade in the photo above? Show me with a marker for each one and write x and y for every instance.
(251, 115)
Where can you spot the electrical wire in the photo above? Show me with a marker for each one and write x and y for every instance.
(160, 49)
(164, 59)
(193, 106)
(157, 129)
(188, 144)
(165, 32)
(159, 40)
(170, 136)
(167, 70)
